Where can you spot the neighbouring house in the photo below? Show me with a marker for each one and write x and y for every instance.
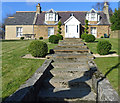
(45, 23)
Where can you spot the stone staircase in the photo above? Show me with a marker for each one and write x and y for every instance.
(70, 79)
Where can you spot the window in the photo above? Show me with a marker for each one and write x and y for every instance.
(50, 17)
(77, 28)
(50, 31)
(19, 31)
(66, 28)
(92, 16)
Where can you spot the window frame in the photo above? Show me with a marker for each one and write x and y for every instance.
(19, 33)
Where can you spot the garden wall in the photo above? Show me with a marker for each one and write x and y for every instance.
(28, 91)
(103, 88)
(115, 34)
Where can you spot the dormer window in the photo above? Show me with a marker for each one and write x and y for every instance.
(51, 15)
(92, 15)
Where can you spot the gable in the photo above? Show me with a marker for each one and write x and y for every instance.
(72, 20)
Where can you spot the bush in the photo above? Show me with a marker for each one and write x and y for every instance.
(40, 38)
(60, 37)
(102, 37)
(83, 36)
(54, 39)
(38, 48)
(89, 38)
(22, 38)
(103, 47)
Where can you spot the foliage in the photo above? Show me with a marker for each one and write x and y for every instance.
(59, 27)
(89, 38)
(103, 47)
(60, 37)
(40, 38)
(101, 37)
(86, 27)
(38, 48)
(22, 38)
(83, 36)
(115, 20)
(54, 39)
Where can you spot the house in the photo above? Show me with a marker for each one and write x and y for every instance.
(45, 23)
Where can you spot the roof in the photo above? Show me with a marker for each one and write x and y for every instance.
(27, 18)
(21, 18)
(64, 15)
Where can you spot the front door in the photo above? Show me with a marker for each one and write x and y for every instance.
(94, 31)
(72, 31)
(50, 31)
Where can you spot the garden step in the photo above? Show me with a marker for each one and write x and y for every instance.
(67, 95)
(72, 46)
(65, 82)
(69, 65)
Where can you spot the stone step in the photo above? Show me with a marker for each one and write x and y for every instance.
(70, 65)
(69, 73)
(72, 46)
(72, 56)
(71, 42)
(67, 95)
(65, 82)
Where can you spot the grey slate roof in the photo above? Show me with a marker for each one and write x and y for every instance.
(63, 16)
(21, 18)
(26, 18)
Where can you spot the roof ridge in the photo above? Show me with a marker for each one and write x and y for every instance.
(25, 11)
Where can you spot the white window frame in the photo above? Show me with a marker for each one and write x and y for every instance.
(92, 16)
(19, 31)
(50, 16)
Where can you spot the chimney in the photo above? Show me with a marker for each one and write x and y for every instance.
(106, 11)
(38, 9)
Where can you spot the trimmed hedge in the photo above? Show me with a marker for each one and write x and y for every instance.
(89, 38)
(21, 38)
(38, 48)
(83, 36)
(40, 38)
(103, 47)
(54, 39)
(60, 37)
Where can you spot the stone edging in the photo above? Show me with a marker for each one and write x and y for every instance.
(27, 91)
(102, 86)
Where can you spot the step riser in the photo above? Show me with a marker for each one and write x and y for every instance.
(71, 74)
(85, 47)
(72, 52)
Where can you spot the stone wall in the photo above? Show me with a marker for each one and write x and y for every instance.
(28, 91)
(102, 87)
(10, 31)
(115, 34)
(42, 30)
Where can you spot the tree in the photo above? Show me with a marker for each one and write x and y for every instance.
(59, 28)
(99, 7)
(115, 20)
(86, 27)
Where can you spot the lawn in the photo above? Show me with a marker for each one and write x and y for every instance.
(114, 42)
(107, 65)
(16, 70)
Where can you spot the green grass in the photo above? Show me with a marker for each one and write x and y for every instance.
(16, 70)
(107, 65)
(113, 41)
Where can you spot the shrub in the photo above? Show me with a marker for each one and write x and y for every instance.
(38, 48)
(54, 39)
(83, 36)
(103, 47)
(22, 38)
(40, 38)
(89, 38)
(60, 37)
(102, 37)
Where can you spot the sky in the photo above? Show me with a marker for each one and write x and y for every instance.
(12, 7)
